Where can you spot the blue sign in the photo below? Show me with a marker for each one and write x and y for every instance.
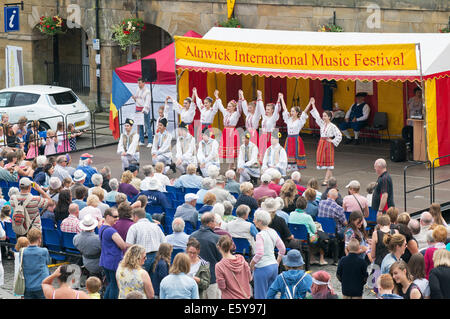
(12, 22)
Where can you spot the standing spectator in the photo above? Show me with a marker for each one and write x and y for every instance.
(435, 211)
(93, 286)
(426, 220)
(71, 223)
(64, 291)
(396, 244)
(190, 179)
(385, 287)
(246, 196)
(89, 245)
(208, 250)
(404, 285)
(62, 206)
(383, 195)
(221, 193)
(440, 275)
(178, 285)
(370, 188)
(378, 249)
(312, 206)
(264, 189)
(34, 205)
(125, 220)
(231, 185)
(355, 229)
(187, 211)
(354, 201)
(114, 186)
(352, 272)
(34, 263)
(22, 242)
(178, 239)
(161, 266)
(60, 171)
(125, 186)
(199, 270)
(264, 264)
(85, 165)
(131, 276)
(232, 272)
(332, 184)
(330, 209)
(440, 237)
(416, 266)
(146, 234)
(321, 286)
(111, 252)
(293, 283)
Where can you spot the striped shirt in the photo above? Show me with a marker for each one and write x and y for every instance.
(36, 203)
(146, 234)
(330, 209)
(71, 224)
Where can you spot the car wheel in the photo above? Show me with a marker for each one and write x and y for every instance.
(44, 125)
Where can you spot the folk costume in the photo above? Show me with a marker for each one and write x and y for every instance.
(229, 143)
(185, 150)
(186, 115)
(275, 157)
(251, 121)
(208, 154)
(248, 161)
(361, 113)
(129, 144)
(267, 126)
(294, 146)
(162, 146)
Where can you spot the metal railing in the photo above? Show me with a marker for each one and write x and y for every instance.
(75, 76)
(433, 181)
(430, 185)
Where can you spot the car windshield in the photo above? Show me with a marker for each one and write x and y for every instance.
(62, 98)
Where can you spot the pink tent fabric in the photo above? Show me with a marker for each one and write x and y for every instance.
(165, 64)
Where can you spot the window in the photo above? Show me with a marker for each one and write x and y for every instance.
(5, 98)
(22, 99)
(67, 97)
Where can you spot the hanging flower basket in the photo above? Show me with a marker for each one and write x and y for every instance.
(330, 28)
(52, 25)
(230, 23)
(128, 32)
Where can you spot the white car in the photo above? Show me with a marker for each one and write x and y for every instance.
(48, 104)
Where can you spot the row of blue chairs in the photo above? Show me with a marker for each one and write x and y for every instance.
(5, 186)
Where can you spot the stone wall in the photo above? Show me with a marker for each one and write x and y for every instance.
(178, 17)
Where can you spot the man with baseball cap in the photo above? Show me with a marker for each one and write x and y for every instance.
(356, 118)
(354, 201)
(128, 147)
(85, 166)
(162, 145)
(187, 211)
(248, 164)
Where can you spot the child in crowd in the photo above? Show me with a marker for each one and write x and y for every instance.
(49, 213)
(61, 136)
(385, 287)
(352, 272)
(73, 134)
(161, 266)
(50, 148)
(370, 188)
(22, 242)
(67, 182)
(5, 218)
(293, 283)
(2, 137)
(93, 286)
(33, 147)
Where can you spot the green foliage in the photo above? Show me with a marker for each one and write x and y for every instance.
(51, 25)
(128, 32)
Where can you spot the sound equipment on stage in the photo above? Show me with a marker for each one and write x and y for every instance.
(398, 150)
(149, 72)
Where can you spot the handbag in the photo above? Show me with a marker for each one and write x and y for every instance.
(19, 284)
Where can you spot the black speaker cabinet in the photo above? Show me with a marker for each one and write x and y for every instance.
(398, 150)
(149, 72)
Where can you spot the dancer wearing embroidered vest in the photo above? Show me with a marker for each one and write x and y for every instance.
(185, 149)
(275, 156)
(356, 118)
(248, 164)
(162, 145)
(208, 152)
(128, 147)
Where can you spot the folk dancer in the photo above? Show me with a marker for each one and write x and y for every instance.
(252, 117)
(356, 118)
(162, 145)
(229, 144)
(248, 165)
(208, 152)
(275, 156)
(270, 115)
(330, 137)
(128, 146)
(143, 98)
(186, 112)
(185, 148)
(207, 110)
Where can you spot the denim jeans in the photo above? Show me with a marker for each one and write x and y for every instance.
(149, 262)
(37, 294)
(148, 129)
(112, 291)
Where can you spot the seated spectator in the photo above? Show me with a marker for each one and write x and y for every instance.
(404, 285)
(187, 211)
(121, 198)
(275, 177)
(293, 283)
(219, 230)
(39, 174)
(227, 214)
(148, 172)
(190, 179)
(88, 243)
(221, 193)
(314, 184)
(312, 206)
(55, 186)
(200, 269)
(440, 237)
(62, 206)
(85, 165)
(71, 170)
(71, 224)
(43, 177)
(296, 178)
(60, 171)
(321, 287)
(92, 209)
(114, 186)
(280, 211)
(136, 182)
(426, 221)
(414, 227)
(207, 184)
(392, 212)
(97, 181)
(385, 287)
(330, 209)
(79, 177)
(106, 174)
(411, 244)
(440, 275)
(50, 212)
(100, 194)
(159, 175)
(416, 266)
(246, 196)
(332, 184)
(178, 285)
(64, 290)
(80, 193)
(218, 209)
(231, 185)
(66, 183)
(125, 219)
(354, 201)
(9, 172)
(264, 189)
(161, 265)
(241, 228)
(209, 200)
(154, 195)
(178, 239)
(396, 245)
(289, 194)
(125, 186)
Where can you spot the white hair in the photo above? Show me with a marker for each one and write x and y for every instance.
(208, 183)
(213, 171)
(218, 219)
(219, 209)
(41, 160)
(114, 184)
(274, 173)
(178, 225)
(97, 179)
(381, 163)
(13, 191)
(230, 174)
(296, 176)
(263, 217)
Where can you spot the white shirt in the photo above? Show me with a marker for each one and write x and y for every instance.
(204, 156)
(269, 158)
(162, 144)
(189, 154)
(294, 126)
(253, 155)
(207, 116)
(143, 98)
(251, 120)
(163, 180)
(132, 145)
(93, 211)
(268, 123)
(229, 119)
(187, 116)
(327, 130)
(366, 112)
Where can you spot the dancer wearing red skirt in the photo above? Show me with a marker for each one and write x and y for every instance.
(270, 116)
(252, 117)
(229, 145)
(186, 112)
(330, 137)
(294, 144)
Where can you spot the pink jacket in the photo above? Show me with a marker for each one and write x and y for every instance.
(237, 286)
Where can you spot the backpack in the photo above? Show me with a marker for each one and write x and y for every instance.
(20, 219)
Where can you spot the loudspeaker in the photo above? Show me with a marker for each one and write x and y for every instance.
(398, 150)
(149, 72)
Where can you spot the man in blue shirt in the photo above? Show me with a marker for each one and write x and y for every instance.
(85, 166)
(35, 261)
(190, 179)
(187, 211)
(154, 196)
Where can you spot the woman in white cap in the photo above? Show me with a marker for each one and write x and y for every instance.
(271, 205)
(354, 201)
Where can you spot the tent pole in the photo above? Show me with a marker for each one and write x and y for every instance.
(423, 100)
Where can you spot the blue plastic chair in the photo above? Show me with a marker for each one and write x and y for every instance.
(242, 246)
(175, 252)
(171, 189)
(177, 203)
(153, 209)
(372, 219)
(179, 196)
(168, 219)
(53, 241)
(47, 223)
(188, 228)
(111, 204)
(171, 196)
(10, 233)
(300, 232)
(67, 243)
(198, 206)
(329, 227)
(171, 211)
(236, 195)
(347, 215)
(189, 190)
